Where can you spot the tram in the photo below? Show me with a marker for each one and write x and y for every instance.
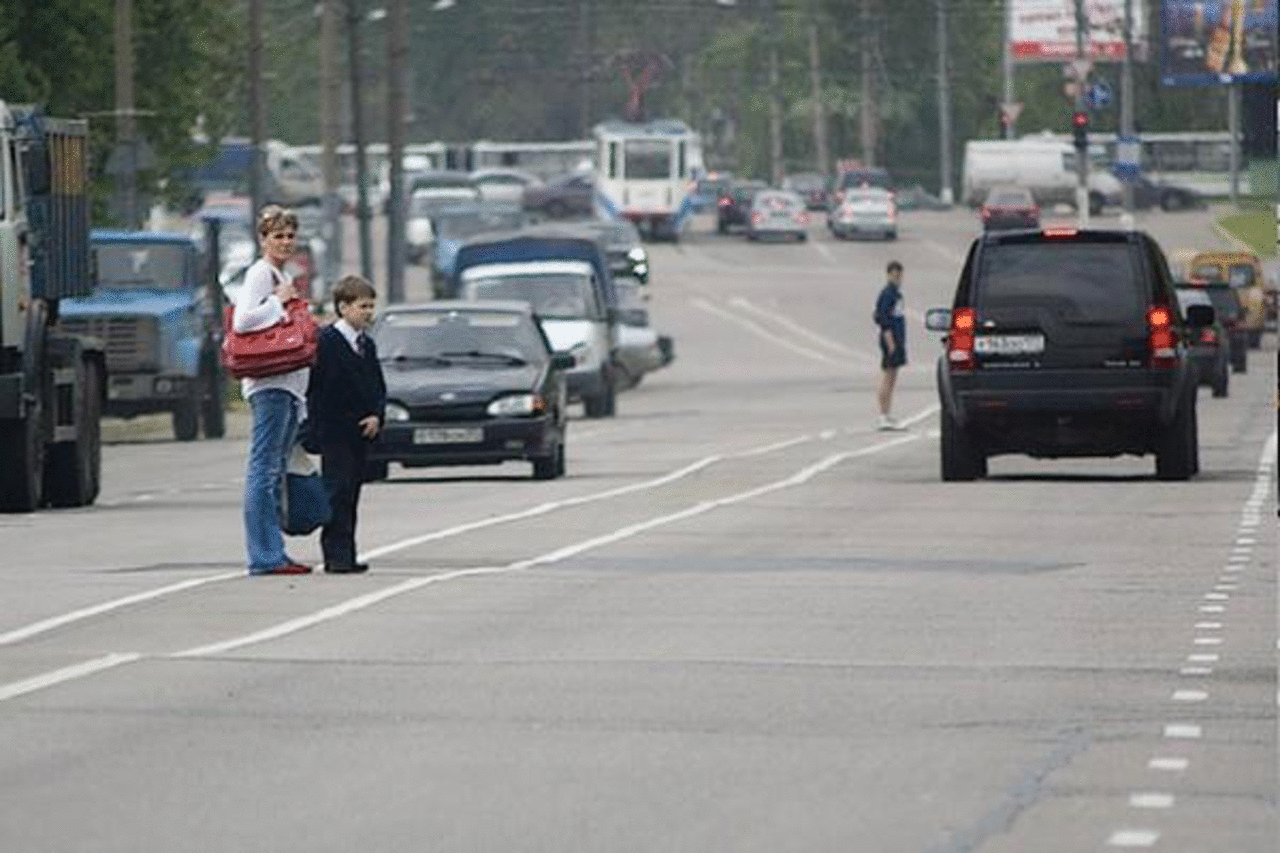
(645, 172)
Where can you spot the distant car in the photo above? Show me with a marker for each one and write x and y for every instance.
(1243, 271)
(453, 225)
(918, 198)
(1209, 344)
(1148, 193)
(1229, 311)
(862, 177)
(504, 185)
(440, 185)
(815, 189)
(469, 383)
(568, 195)
(1009, 207)
(778, 213)
(864, 210)
(734, 207)
(708, 189)
(628, 258)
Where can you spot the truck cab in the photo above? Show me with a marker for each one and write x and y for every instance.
(150, 307)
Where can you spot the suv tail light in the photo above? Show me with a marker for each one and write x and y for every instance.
(960, 340)
(1208, 336)
(1160, 336)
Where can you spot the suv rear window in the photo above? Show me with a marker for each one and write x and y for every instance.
(1085, 281)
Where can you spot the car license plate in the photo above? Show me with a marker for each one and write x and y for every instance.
(448, 435)
(1008, 344)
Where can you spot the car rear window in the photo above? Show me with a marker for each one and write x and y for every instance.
(1010, 199)
(1084, 282)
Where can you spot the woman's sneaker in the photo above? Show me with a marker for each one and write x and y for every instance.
(888, 424)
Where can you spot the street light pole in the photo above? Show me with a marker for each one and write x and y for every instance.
(944, 107)
(256, 117)
(397, 48)
(1082, 156)
(357, 136)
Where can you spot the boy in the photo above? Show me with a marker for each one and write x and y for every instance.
(892, 329)
(345, 402)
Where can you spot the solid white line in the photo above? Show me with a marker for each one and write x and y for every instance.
(1133, 838)
(1171, 765)
(57, 676)
(762, 332)
(86, 612)
(369, 599)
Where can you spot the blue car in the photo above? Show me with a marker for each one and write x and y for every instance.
(456, 224)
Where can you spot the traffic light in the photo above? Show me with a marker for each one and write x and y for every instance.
(1080, 129)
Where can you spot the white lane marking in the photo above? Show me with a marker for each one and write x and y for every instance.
(1226, 587)
(1246, 540)
(1169, 765)
(1182, 731)
(757, 329)
(1208, 626)
(1233, 567)
(1133, 838)
(1212, 608)
(1196, 670)
(1206, 657)
(740, 302)
(1190, 695)
(1207, 641)
(945, 251)
(1238, 558)
(360, 602)
(823, 250)
(86, 612)
(1151, 800)
(1216, 596)
(68, 673)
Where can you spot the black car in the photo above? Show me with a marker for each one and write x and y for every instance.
(814, 188)
(622, 244)
(469, 383)
(566, 196)
(1063, 343)
(863, 176)
(1166, 196)
(734, 207)
(1008, 208)
(1229, 311)
(1210, 347)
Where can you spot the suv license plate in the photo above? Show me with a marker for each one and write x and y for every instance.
(448, 435)
(1008, 344)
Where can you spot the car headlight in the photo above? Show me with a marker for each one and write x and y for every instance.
(638, 254)
(395, 412)
(516, 404)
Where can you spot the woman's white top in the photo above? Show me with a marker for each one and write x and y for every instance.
(258, 307)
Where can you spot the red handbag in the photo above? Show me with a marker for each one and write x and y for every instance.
(281, 348)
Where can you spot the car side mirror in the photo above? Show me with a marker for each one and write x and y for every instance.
(563, 361)
(938, 319)
(1200, 315)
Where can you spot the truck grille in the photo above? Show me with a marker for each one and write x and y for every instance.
(131, 343)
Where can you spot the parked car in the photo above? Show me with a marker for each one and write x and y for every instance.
(1064, 343)
(469, 383)
(150, 307)
(814, 188)
(568, 195)
(865, 210)
(734, 207)
(1009, 207)
(778, 213)
(504, 185)
(1210, 347)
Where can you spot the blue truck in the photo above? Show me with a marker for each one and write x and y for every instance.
(151, 307)
(51, 380)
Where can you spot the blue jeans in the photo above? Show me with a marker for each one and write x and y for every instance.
(275, 426)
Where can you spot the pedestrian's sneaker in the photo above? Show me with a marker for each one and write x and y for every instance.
(888, 424)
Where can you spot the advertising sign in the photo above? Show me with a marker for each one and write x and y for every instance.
(1209, 42)
(1045, 30)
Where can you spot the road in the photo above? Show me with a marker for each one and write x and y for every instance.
(745, 621)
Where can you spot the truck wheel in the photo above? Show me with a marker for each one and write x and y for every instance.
(1177, 449)
(961, 460)
(604, 404)
(212, 407)
(73, 468)
(22, 441)
(186, 415)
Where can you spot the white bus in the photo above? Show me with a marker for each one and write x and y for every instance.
(645, 172)
(1200, 159)
(544, 159)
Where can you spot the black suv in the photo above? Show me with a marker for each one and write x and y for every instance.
(734, 207)
(1067, 343)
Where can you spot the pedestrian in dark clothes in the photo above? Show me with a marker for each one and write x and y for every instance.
(892, 326)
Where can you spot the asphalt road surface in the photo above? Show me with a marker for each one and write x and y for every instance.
(745, 621)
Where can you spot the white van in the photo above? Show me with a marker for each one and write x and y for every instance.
(1046, 167)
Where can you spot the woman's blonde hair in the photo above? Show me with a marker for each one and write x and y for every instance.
(273, 217)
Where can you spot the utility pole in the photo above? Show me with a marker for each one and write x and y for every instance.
(1007, 110)
(815, 84)
(330, 95)
(867, 113)
(397, 51)
(1082, 155)
(126, 119)
(357, 135)
(944, 108)
(1126, 97)
(256, 120)
(587, 34)
(775, 96)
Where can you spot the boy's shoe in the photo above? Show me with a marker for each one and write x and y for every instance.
(888, 424)
(289, 568)
(339, 569)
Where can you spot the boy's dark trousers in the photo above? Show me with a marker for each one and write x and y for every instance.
(342, 467)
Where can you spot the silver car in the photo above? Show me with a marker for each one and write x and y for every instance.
(778, 213)
(865, 210)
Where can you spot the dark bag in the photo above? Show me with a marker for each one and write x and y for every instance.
(304, 501)
(281, 348)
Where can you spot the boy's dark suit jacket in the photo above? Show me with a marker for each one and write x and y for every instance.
(345, 388)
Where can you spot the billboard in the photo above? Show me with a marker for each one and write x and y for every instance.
(1209, 42)
(1045, 30)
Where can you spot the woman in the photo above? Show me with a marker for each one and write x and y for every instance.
(274, 400)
